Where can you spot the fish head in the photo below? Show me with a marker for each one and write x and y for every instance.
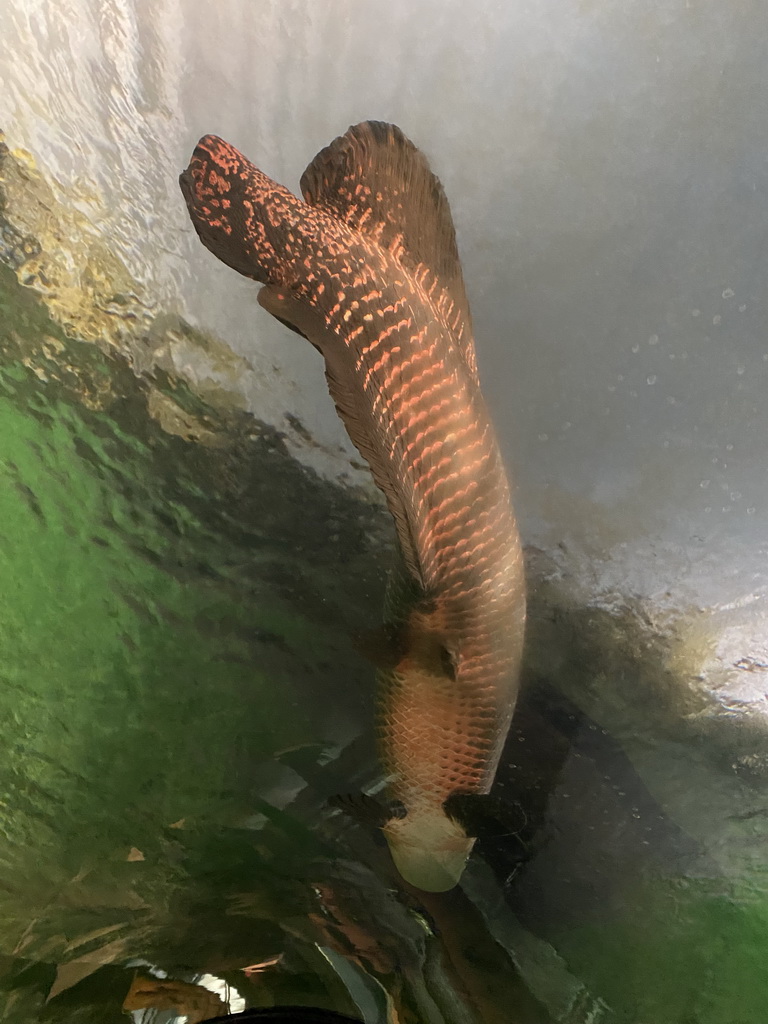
(247, 220)
(430, 850)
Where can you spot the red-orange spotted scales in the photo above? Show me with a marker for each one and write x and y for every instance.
(367, 269)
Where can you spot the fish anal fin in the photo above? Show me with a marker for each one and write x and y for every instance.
(376, 181)
(351, 404)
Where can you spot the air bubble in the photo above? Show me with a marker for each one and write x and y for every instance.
(653, 340)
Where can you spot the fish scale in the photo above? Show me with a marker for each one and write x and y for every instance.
(367, 270)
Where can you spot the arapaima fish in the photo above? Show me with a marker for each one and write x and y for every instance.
(367, 269)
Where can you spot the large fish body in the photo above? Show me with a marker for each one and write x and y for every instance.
(367, 269)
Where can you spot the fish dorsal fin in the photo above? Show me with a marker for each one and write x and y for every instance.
(376, 181)
(351, 406)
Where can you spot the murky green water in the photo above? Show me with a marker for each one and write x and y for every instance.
(180, 697)
(173, 649)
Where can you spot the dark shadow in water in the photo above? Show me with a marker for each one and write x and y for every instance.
(587, 821)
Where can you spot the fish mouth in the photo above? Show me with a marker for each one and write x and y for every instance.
(187, 186)
(214, 186)
(193, 180)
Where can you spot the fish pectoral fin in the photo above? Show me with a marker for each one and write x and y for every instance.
(291, 313)
(484, 814)
(366, 809)
(426, 644)
(432, 657)
(283, 320)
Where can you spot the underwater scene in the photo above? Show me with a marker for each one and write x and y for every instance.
(366, 659)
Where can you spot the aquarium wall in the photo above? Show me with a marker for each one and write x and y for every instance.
(190, 545)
